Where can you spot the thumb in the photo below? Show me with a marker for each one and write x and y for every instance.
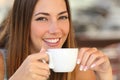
(42, 50)
(40, 55)
(44, 57)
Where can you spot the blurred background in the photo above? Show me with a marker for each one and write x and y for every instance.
(96, 24)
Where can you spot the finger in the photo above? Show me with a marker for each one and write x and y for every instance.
(41, 72)
(85, 58)
(80, 55)
(40, 65)
(38, 77)
(100, 61)
(39, 56)
(87, 55)
(95, 56)
(43, 50)
(39, 69)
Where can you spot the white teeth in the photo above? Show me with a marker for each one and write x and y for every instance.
(52, 40)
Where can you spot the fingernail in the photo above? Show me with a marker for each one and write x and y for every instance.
(49, 73)
(44, 61)
(85, 69)
(42, 49)
(48, 76)
(93, 65)
(78, 61)
(81, 67)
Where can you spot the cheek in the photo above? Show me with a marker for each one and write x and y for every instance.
(36, 34)
(66, 28)
(36, 30)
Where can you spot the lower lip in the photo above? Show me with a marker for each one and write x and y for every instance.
(52, 44)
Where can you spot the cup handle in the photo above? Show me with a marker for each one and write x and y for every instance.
(51, 64)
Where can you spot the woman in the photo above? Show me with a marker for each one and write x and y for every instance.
(35, 25)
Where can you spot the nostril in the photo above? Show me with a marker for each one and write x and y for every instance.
(54, 30)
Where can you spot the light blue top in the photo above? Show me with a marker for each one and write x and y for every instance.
(4, 56)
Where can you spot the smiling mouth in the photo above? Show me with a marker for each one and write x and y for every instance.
(52, 41)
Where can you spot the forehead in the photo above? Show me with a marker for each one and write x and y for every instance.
(50, 6)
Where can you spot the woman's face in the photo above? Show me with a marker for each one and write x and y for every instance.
(50, 24)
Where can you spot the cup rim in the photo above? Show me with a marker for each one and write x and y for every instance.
(61, 48)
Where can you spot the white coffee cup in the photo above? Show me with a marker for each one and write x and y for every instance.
(62, 59)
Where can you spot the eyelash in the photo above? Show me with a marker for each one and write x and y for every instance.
(41, 19)
(45, 19)
(63, 18)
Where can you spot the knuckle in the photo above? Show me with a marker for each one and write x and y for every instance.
(94, 55)
(29, 57)
(87, 53)
(91, 51)
(83, 63)
(94, 48)
(30, 69)
(106, 57)
(83, 48)
(103, 59)
(33, 76)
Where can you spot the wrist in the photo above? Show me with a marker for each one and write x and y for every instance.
(105, 75)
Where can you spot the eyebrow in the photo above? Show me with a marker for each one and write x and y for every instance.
(47, 14)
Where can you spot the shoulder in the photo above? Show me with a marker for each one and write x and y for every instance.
(1, 60)
(84, 75)
(1, 66)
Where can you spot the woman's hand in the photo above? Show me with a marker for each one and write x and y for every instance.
(32, 68)
(92, 58)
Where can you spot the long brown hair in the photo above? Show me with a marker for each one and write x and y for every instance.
(19, 38)
(4, 31)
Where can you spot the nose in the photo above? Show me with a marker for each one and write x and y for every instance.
(54, 27)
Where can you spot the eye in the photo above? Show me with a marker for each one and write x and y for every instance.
(63, 17)
(42, 19)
